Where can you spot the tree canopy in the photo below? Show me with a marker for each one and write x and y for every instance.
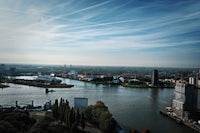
(99, 115)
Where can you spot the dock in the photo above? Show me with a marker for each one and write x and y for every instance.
(189, 123)
(171, 115)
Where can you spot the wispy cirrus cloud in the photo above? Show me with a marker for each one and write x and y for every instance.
(100, 29)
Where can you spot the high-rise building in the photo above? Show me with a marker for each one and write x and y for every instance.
(65, 69)
(185, 100)
(155, 78)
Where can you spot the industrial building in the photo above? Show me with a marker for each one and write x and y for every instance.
(80, 103)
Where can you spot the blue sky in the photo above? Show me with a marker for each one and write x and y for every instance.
(99, 32)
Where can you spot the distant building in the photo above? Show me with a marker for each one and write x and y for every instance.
(192, 80)
(13, 71)
(48, 79)
(65, 69)
(155, 78)
(73, 74)
(117, 80)
(185, 100)
(80, 103)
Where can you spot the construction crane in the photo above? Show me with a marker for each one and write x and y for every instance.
(197, 78)
(197, 87)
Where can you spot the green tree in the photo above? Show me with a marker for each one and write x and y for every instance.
(41, 126)
(20, 120)
(67, 114)
(82, 120)
(106, 122)
(77, 117)
(62, 109)
(61, 101)
(72, 117)
(100, 116)
(55, 109)
(88, 113)
(67, 117)
(67, 102)
(6, 127)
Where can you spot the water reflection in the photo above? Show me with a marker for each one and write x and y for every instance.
(154, 95)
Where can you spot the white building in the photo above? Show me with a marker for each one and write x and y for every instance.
(178, 101)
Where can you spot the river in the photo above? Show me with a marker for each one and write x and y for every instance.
(136, 108)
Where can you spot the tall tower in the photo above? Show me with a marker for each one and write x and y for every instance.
(195, 82)
(155, 78)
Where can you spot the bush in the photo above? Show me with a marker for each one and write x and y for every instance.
(20, 120)
(6, 127)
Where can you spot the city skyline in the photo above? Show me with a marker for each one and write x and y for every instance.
(123, 33)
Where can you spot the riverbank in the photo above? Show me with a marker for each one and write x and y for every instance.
(145, 86)
(126, 85)
(134, 86)
(39, 84)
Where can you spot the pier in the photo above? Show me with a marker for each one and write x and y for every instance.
(189, 123)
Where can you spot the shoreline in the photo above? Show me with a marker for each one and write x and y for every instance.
(124, 85)
(141, 86)
(40, 84)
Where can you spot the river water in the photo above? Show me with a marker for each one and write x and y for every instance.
(136, 108)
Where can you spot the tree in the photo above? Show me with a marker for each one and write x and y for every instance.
(88, 113)
(82, 120)
(100, 115)
(67, 102)
(77, 117)
(67, 118)
(6, 127)
(67, 111)
(72, 117)
(55, 109)
(61, 101)
(101, 105)
(62, 109)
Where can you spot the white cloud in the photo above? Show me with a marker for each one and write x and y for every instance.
(71, 33)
